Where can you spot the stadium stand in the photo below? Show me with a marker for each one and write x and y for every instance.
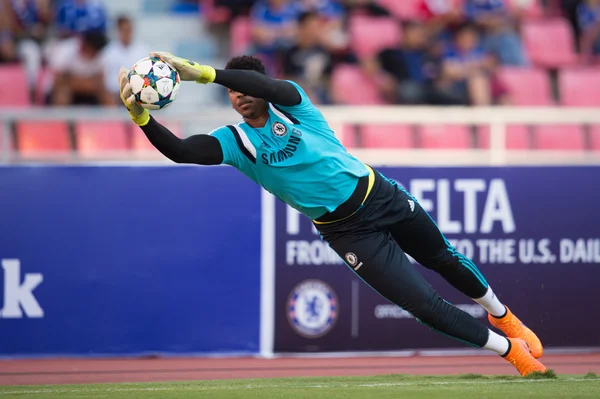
(579, 87)
(527, 86)
(550, 42)
(350, 86)
(40, 137)
(518, 137)
(559, 137)
(14, 81)
(445, 136)
(387, 136)
(98, 138)
(595, 138)
(369, 35)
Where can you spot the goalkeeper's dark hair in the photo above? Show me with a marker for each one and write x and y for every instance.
(248, 63)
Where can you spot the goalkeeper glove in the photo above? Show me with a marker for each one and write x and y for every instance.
(188, 70)
(138, 114)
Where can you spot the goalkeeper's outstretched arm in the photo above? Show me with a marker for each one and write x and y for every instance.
(251, 83)
(201, 149)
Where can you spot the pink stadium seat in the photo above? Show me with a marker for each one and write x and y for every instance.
(517, 137)
(241, 35)
(445, 137)
(404, 10)
(559, 137)
(94, 138)
(140, 143)
(213, 13)
(348, 137)
(14, 81)
(43, 136)
(527, 86)
(351, 86)
(595, 138)
(370, 35)
(579, 87)
(386, 136)
(549, 42)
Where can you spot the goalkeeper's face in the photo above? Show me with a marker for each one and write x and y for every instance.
(248, 107)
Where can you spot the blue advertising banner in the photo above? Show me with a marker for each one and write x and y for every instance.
(128, 260)
(533, 232)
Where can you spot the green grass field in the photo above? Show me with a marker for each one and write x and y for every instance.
(385, 386)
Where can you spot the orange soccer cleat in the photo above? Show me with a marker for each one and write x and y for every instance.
(512, 327)
(520, 357)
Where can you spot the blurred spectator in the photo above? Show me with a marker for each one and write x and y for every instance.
(497, 25)
(468, 71)
(122, 52)
(409, 73)
(24, 25)
(568, 10)
(8, 52)
(368, 7)
(273, 28)
(334, 35)
(308, 62)
(78, 16)
(78, 71)
(588, 20)
(439, 15)
(237, 7)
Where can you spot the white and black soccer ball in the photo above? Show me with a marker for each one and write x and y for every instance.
(154, 83)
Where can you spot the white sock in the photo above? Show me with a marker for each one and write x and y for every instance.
(491, 303)
(497, 343)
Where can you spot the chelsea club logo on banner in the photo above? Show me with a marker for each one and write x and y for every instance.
(312, 308)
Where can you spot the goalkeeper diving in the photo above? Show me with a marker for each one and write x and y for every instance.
(285, 145)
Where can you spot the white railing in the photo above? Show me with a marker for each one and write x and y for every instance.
(497, 118)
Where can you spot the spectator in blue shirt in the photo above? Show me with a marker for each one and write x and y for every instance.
(499, 35)
(334, 35)
(78, 16)
(588, 19)
(468, 69)
(23, 32)
(273, 25)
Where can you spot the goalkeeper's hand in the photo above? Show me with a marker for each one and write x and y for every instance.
(188, 70)
(138, 114)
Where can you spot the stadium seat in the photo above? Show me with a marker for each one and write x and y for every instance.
(408, 10)
(558, 137)
(386, 136)
(370, 35)
(527, 86)
(213, 13)
(348, 136)
(595, 138)
(37, 137)
(13, 81)
(579, 87)
(550, 43)
(350, 86)
(445, 137)
(517, 137)
(141, 144)
(240, 35)
(96, 138)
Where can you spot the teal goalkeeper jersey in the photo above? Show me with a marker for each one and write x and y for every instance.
(295, 156)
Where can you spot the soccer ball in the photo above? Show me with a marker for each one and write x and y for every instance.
(154, 83)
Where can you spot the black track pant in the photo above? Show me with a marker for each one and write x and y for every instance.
(373, 242)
